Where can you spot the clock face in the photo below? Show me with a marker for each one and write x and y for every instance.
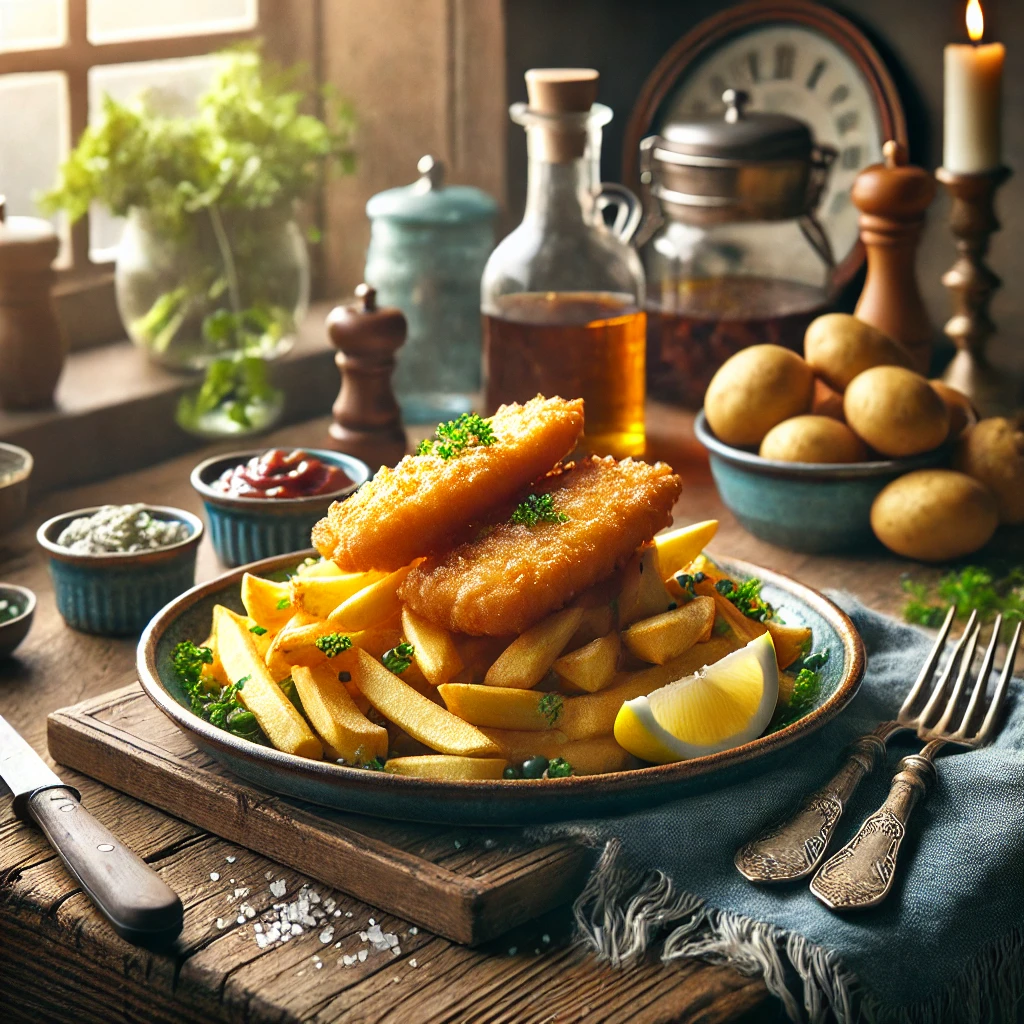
(789, 69)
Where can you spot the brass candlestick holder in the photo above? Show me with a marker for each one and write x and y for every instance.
(971, 283)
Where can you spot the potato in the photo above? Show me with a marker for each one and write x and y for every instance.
(755, 389)
(371, 605)
(827, 401)
(592, 667)
(447, 767)
(319, 595)
(814, 439)
(663, 637)
(838, 347)
(934, 515)
(525, 662)
(502, 707)
(961, 412)
(643, 592)
(267, 602)
(896, 411)
(790, 642)
(436, 654)
(992, 452)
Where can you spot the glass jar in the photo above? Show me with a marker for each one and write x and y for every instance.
(563, 295)
(428, 246)
(735, 256)
(227, 282)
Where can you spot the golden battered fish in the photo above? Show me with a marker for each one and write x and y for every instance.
(422, 505)
(513, 575)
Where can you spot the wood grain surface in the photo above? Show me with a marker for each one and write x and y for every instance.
(60, 961)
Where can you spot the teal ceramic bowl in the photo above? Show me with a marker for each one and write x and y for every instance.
(816, 508)
(116, 594)
(14, 630)
(246, 530)
(505, 802)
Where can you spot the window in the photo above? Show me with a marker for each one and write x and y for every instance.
(57, 59)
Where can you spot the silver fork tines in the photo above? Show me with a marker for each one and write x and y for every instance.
(861, 873)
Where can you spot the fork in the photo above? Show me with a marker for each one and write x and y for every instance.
(792, 848)
(860, 875)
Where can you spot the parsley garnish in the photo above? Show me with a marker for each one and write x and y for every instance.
(450, 439)
(747, 598)
(559, 768)
(399, 658)
(285, 602)
(218, 705)
(332, 644)
(537, 508)
(376, 765)
(258, 630)
(970, 589)
(550, 706)
(806, 688)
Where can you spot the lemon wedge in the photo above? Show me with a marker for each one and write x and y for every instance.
(718, 707)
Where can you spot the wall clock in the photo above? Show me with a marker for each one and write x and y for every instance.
(794, 57)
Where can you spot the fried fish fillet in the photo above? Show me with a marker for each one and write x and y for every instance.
(513, 575)
(424, 503)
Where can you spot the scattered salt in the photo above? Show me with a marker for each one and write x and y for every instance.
(231, 881)
(512, 950)
(348, 913)
(319, 965)
(279, 888)
(221, 923)
(240, 919)
(414, 930)
(337, 913)
(412, 962)
(241, 892)
(231, 860)
(545, 938)
(214, 876)
(396, 950)
(362, 955)
(458, 845)
(257, 927)
(296, 929)
(327, 935)
(268, 875)
(372, 921)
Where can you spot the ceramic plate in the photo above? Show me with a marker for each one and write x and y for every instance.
(518, 802)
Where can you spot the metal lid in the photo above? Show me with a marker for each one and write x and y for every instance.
(429, 201)
(739, 135)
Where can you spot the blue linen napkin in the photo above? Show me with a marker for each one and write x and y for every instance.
(946, 945)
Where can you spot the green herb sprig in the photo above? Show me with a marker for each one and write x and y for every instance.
(747, 598)
(537, 508)
(559, 768)
(399, 658)
(332, 644)
(218, 705)
(971, 589)
(550, 706)
(452, 438)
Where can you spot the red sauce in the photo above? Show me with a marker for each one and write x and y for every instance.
(281, 474)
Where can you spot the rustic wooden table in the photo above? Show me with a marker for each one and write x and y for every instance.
(59, 960)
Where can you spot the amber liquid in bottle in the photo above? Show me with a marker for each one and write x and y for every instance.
(588, 345)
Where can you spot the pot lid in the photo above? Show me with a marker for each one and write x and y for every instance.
(738, 135)
(429, 201)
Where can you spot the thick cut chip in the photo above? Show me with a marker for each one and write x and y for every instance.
(447, 767)
(513, 575)
(422, 505)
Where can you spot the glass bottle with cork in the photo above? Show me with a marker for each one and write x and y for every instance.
(563, 295)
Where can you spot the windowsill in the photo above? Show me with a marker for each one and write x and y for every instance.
(114, 408)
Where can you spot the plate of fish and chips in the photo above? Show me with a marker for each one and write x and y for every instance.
(488, 634)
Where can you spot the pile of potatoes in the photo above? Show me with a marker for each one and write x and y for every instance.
(852, 398)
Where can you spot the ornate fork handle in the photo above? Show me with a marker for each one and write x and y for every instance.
(793, 848)
(860, 875)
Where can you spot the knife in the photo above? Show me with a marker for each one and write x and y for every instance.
(142, 908)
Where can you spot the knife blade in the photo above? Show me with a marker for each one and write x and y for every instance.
(137, 902)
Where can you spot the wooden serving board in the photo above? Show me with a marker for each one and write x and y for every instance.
(468, 885)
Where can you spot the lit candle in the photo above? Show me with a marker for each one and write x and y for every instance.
(972, 140)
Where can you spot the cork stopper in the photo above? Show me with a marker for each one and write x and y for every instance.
(894, 189)
(554, 91)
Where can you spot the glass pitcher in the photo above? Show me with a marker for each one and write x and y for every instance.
(563, 295)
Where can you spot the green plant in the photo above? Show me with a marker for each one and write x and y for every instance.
(248, 148)
(971, 588)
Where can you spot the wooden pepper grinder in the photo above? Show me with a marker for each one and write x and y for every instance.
(32, 347)
(893, 198)
(367, 420)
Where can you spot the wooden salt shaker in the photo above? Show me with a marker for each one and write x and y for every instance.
(367, 420)
(893, 198)
(32, 347)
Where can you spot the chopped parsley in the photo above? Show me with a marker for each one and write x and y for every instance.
(218, 705)
(452, 438)
(747, 598)
(550, 706)
(804, 694)
(376, 765)
(970, 589)
(258, 630)
(559, 768)
(332, 644)
(537, 508)
(283, 603)
(399, 658)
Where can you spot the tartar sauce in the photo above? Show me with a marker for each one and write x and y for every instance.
(118, 528)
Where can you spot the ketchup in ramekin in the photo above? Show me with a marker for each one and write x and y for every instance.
(281, 474)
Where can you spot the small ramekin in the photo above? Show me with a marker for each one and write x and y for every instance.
(16, 466)
(246, 530)
(117, 593)
(13, 631)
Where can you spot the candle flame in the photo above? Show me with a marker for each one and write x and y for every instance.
(975, 21)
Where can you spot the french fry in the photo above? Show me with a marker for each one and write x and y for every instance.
(663, 637)
(746, 629)
(478, 654)
(420, 717)
(335, 717)
(791, 642)
(274, 712)
(643, 592)
(323, 567)
(593, 756)
(502, 707)
(592, 667)
(291, 645)
(594, 714)
(370, 606)
(436, 653)
(320, 595)
(678, 548)
(266, 602)
(519, 745)
(525, 662)
(447, 767)
(597, 621)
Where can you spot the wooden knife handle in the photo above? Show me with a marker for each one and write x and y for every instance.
(142, 908)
